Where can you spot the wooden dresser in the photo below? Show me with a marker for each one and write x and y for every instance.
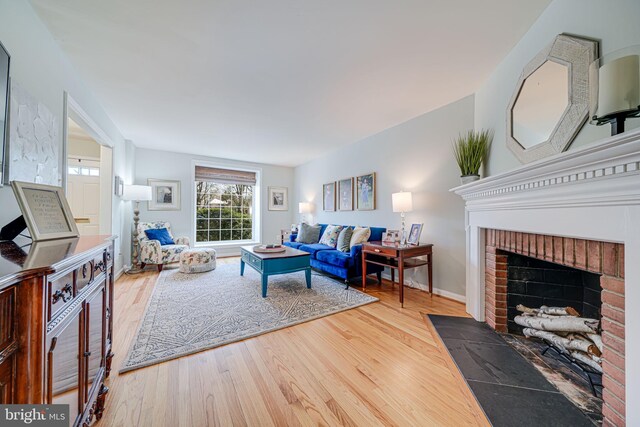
(56, 326)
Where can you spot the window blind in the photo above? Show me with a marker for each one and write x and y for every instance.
(225, 176)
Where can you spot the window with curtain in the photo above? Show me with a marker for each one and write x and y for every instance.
(225, 205)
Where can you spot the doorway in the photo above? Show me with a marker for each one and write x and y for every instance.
(88, 180)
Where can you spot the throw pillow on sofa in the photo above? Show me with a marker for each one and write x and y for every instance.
(330, 235)
(160, 234)
(344, 240)
(360, 236)
(308, 233)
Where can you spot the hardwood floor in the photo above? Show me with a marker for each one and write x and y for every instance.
(375, 365)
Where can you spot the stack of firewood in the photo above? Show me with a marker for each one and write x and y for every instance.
(563, 327)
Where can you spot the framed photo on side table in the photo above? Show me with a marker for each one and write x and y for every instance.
(45, 210)
(278, 199)
(414, 234)
(165, 195)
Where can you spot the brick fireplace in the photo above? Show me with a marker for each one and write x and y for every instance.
(603, 258)
(578, 209)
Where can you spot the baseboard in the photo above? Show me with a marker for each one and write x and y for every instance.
(436, 291)
(119, 273)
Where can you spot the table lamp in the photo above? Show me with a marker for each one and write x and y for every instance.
(402, 202)
(303, 209)
(136, 193)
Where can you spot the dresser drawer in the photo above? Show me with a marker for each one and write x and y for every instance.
(60, 293)
(253, 260)
(84, 275)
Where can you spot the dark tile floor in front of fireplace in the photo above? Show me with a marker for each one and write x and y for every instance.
(510, 390)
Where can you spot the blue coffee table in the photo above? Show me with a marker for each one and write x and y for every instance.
(270, 264)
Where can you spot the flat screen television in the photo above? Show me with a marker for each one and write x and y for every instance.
(5, 59)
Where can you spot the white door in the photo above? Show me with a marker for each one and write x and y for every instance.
(83, 193)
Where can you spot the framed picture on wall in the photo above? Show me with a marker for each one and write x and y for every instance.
(165, 195)
(329, 197)
(278, 199)
(45, 210)
(366, 192)
(345, 194)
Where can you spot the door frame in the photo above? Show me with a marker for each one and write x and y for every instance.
(74, 111)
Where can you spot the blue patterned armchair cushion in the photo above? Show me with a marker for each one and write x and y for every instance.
(152, 252)
(161, 235)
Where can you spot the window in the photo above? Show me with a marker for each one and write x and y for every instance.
(86, 171)
(225, 205)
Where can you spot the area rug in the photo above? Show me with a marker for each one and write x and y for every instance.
(188, 313)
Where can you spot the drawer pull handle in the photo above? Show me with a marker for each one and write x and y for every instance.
(65, 294)
(87, 353)
(376, 250)
(99, 266)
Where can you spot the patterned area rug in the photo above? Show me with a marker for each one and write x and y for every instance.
(188, 313)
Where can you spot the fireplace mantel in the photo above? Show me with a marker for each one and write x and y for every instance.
(590, 193)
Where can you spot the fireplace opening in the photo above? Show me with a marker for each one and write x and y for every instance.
(534, 283)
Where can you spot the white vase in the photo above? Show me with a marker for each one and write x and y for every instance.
(465, 179)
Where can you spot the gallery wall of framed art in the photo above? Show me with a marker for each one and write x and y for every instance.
(348, 194)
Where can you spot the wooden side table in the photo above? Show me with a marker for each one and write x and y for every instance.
(397, 258)
(284, 235)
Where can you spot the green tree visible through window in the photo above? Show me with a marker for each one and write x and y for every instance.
(224, 212)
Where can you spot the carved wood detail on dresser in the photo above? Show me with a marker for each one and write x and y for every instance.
(56, 328)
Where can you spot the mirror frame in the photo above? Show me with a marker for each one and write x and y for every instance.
(576, 54)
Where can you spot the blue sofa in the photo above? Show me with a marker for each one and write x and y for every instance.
(345, 265)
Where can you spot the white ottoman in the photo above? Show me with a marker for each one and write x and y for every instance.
(197, 260)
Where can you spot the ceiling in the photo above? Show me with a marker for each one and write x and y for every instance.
(279, 81)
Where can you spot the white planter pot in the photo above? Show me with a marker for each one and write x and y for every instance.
(465, 179)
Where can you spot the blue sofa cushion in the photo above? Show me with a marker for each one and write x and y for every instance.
(337, 258)
(294, 245)
(376, 234)
(313, 249)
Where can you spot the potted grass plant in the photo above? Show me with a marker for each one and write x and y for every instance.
(470, 150)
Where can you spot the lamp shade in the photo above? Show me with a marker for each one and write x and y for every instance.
(138, 193)
(304, 207)
(402, 201)
(619, 86)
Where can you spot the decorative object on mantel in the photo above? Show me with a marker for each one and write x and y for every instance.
(45, 210)
(366, 192)
(402, 202)
(470, 151)
(329, 197)
(34, 145)
(165, 195)
(345, 194)
(551, 101)
(278, 199)
(137, 194)
(5, 62)
(617, 96)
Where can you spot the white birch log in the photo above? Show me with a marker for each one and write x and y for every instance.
(562, 324)
(591, 348)
(597, 340)
(587, 360)
(573, 342)
(555, 311)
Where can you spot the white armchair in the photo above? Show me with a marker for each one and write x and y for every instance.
(151, 252)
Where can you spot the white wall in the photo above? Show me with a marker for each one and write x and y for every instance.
(613, 23)
(176, 166)
(40, 66)
(415, 156)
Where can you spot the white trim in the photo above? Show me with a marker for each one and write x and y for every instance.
(425, 287)
(257, 199)
(450, 295)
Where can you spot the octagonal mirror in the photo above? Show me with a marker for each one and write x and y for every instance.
(551, 100)
(541, 103)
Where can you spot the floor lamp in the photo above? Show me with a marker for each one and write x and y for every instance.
(137, 194)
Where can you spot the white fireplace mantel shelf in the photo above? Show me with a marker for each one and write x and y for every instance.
(588, 193)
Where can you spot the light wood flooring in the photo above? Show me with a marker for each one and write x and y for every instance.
(375, 365)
